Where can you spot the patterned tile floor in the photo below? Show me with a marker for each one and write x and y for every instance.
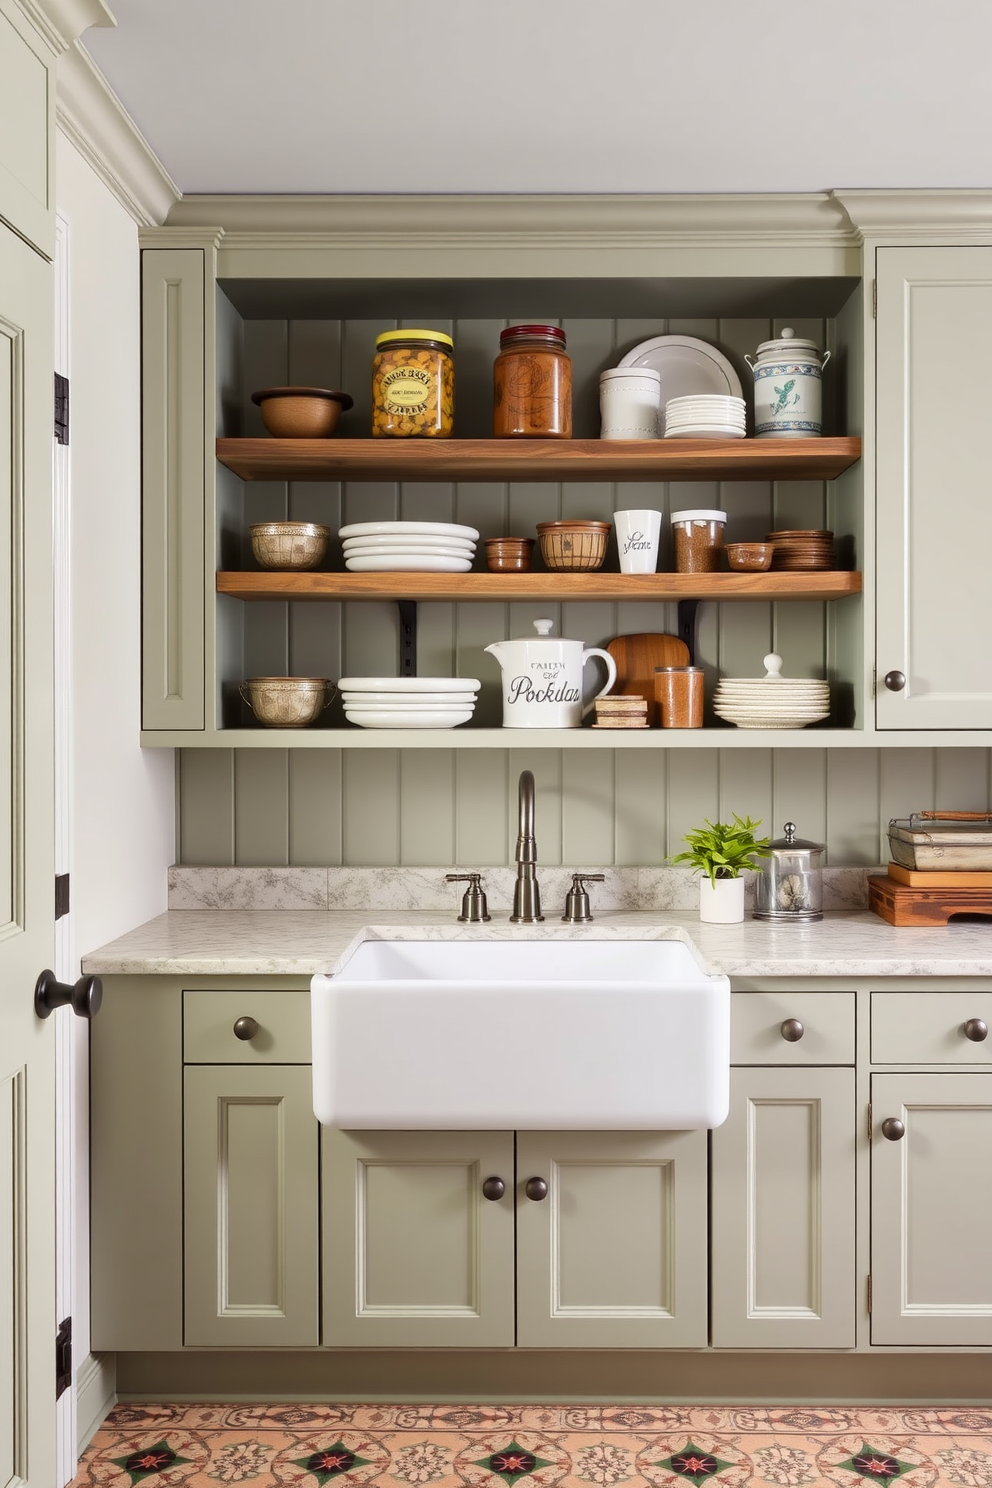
(544, 1446)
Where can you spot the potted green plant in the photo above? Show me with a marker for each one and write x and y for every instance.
(721, 851)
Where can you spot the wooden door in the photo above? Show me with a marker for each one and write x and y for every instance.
(615, 1255)
(932, 1210)
(414, 1253)
(934, 515)
(27, 938)
(783, 1169)
(251, 1225)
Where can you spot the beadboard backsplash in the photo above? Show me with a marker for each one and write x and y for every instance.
(275, 807)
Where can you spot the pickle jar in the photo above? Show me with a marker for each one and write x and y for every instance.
(413, 385)
(532, 384)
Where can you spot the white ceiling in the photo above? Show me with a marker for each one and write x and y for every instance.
(556, 95)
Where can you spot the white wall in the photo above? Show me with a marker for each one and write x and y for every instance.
(123, 817)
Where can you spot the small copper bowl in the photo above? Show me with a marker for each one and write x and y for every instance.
(750, 557)
(578, 545)
(301, 412)
(509, 554)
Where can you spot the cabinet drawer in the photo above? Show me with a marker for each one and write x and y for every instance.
(757, 1019)
(283, 1035)
(929, 1027)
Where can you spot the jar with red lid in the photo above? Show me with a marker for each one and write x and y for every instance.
(532, 384)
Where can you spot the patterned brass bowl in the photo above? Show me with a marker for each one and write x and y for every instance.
(287, 702)
(288, 545)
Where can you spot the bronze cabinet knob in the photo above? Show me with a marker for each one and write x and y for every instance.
(895, 681)
(792, 1030)
(536, 1189)
(245, 1028)
(977, 1030)
(493, 1188)
(83, 996)
(893, 1129)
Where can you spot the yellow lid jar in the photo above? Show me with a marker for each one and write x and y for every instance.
(413, 385)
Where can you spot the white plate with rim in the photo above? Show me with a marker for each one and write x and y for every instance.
(406, 699)
(702, 431)
(408, 684)
(445, 718)
(404, 539)
(408, 563)
(409, 550)
(407, 529)
(687, 365)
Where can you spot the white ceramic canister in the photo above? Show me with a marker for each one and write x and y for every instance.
(542, 679)
(629, 403)
(787, 388)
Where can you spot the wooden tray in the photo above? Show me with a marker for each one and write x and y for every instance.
(924, 878)
(637, 656)
(904, 906)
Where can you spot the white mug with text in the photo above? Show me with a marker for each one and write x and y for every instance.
(638, 537)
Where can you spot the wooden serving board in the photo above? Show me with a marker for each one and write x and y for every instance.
(637, 656)
(904, 906)
(921, 878)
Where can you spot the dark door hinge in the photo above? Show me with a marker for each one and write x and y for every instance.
(869, 1294)
(63, 1357)
(61, 895)
(61, 409)
(869, 1123)
(874, 299)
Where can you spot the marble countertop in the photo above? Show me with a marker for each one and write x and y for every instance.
(289, 942)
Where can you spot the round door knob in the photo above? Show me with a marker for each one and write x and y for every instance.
(536, 1188)
(792, 1030)
(977, 1030)
(895, 681)
(493, 1188)
(245, 1028)
(893, 1129)
(84, 996)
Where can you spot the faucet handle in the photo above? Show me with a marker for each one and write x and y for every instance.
(474, 908)
(577, 900)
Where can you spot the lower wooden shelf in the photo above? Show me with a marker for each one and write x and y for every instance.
(467, 737)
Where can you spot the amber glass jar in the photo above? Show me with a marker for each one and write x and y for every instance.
(413, 385)
(532, 384)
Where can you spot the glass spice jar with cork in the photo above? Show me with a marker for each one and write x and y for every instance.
(532, 384)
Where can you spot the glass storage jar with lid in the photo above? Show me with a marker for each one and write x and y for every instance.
(789, 885)
(532, 384)
(413, 385)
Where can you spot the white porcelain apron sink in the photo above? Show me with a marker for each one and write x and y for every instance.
(553, 1035)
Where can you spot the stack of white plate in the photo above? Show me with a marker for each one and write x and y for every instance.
(425, 547)
(409, 702)
(772, 701)
(705, 416)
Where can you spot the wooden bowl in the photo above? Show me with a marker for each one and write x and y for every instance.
(509, 554)
(576, 545)
(750, 557)
(287, 702)
(288, 545)
(301, 412)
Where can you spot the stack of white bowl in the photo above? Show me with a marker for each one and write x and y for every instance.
(425, 547)
(772, 701)
(409, 702)
(705, 416)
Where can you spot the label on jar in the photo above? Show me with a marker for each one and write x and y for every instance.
(407, 390)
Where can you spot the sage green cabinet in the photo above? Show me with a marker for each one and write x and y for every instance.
(931, 1212)
(933, 515)
(27, 129)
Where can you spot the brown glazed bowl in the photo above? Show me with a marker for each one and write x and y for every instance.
(301, 412)
(751, 557)
(577, 545)
(509, 554)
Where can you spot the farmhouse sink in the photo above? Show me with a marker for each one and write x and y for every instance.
(536, 1035)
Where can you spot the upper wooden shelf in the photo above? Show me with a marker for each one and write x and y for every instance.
(537, 459)
(553, 587)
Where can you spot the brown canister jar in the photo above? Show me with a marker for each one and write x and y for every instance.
(532, 384)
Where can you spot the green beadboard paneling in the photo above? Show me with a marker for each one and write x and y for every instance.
(261, 807)
(206, 806)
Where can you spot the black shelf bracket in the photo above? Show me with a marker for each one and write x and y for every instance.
(687, 626)
(408, 636)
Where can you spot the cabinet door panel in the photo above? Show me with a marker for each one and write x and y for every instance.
(413, 1252)
(172, 400)
(783, 1211)
(251, 1207)
(615, 1256)
(934, 518)
(932, 1210)
(27, 130)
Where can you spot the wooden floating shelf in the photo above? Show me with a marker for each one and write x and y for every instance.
(537, 459)
(552, 587)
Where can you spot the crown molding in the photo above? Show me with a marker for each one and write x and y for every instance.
(537, 221)
(919, 214)
(61, 22)
(91, 116)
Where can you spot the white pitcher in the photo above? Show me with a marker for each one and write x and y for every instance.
(542, 679)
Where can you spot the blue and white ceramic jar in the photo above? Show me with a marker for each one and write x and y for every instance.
(787, 402)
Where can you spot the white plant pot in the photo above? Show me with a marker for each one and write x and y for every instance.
(722, 902)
